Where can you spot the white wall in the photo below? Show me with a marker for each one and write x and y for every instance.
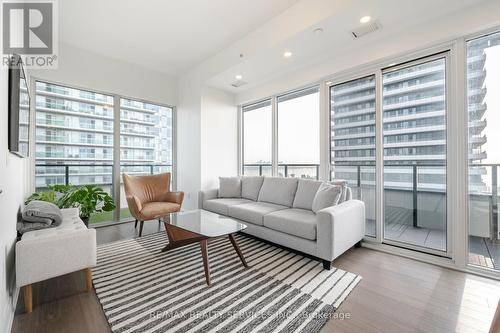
(14, 175)
(207, 141)
(85, 69)
(219, 137)
(188, 141)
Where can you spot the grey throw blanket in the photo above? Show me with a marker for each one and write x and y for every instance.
(39, 215)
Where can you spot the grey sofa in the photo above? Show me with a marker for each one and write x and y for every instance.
(285, 211)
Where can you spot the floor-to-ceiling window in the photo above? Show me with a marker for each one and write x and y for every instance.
(145, 140)
(75, 144)
(74, 138)
(483, 95)
(414, 131)
(352, 140)
(298, 134)
(257, 138)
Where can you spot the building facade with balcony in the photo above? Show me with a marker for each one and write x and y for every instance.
(76, 127)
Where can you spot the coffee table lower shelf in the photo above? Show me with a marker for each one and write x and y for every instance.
(178, 237)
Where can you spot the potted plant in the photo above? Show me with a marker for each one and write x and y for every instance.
(88, 198)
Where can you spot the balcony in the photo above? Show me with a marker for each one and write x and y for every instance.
(414, 207)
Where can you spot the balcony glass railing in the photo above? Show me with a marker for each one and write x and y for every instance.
(99, 174)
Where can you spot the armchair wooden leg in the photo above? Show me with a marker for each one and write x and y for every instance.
(28, 298)
(140, 228)
(88, 279)
(135, 225)
(327, 265)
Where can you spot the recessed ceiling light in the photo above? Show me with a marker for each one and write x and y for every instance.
(318, 31)
(238, 77)
(287, 54)
(365, 19)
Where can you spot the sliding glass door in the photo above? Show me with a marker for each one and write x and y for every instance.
(483, 94)
(414, 141)
(352, 141)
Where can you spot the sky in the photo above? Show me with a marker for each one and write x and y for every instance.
(298, 132)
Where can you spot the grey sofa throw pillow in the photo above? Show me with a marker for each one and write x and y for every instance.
(229, 187)
(343, 184)
(250, 187)
(327, 195)
(306, 190)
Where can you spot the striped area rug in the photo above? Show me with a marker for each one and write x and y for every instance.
(142, 289)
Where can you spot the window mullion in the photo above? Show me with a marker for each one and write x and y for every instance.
(116, 157)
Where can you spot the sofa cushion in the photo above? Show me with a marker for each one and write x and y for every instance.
(327, 195)
(306, 190)
(221, 206)
(297, 222)
(229, 187)
(253, 212)
(158, 209)
(250, 187)
(280, 191)
(343, 185)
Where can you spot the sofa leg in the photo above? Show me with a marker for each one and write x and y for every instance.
(140, 228)
(358, 244)
(135, 225)
(88, 280)
(28, 298)
(327, 265)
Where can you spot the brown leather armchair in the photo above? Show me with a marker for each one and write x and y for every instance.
(149, 197)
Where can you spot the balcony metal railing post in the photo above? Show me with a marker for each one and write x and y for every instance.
(286, 170)
(66, 174)
(317, 172)
(151, 170)
(494, 204)
(415, 196)
(359, 182)
(260, 170)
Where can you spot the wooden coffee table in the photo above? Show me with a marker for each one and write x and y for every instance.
(200, 226)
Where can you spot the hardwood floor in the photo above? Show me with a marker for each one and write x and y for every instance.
(395, 295)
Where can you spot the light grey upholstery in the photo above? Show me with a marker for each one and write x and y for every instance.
(306, 190)
(47, 253)
(343, 184)
(326, 233)
(253, 212)
(250, 187)
(229, 187)
(327, 195)
(294, 221)
(277, 190)
(221, 205)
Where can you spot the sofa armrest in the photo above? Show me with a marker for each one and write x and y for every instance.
(206, 195)
(339, 228)
(175, 197)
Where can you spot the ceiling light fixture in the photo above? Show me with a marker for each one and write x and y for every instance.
(287, 54)
(318, 31)
(238, 77)
(365, 19)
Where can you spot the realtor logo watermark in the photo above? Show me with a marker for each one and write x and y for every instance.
(29, 29)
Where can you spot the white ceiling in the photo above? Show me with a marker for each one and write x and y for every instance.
(308, 47)
(166, 35)
(175, 36)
